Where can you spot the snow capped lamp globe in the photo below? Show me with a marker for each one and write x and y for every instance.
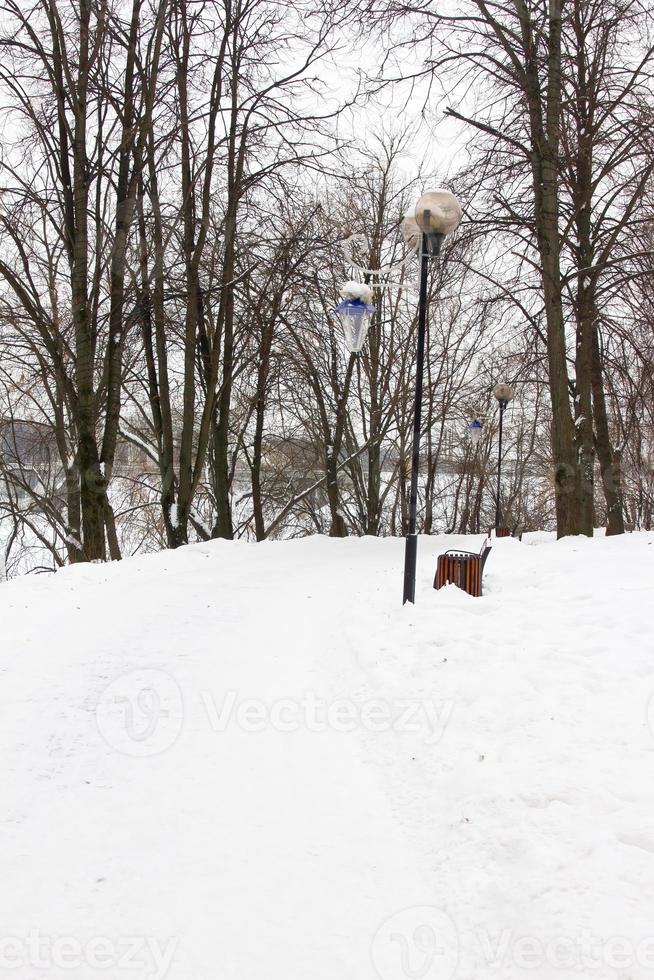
(474, 431)
(504, 394)
(355, 310)
(438, 213)
(410, 231)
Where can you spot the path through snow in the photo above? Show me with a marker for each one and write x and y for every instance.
(242, 761)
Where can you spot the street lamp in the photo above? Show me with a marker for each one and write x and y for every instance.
(437, 214)
(355, 310)
(504, 394)
(474, 431)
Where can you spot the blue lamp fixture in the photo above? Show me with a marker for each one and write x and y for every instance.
(355, 311)
(474, 430)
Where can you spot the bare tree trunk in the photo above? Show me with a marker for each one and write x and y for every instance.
(545, 173)
(263, 372)
(92, 490)
(608, 459)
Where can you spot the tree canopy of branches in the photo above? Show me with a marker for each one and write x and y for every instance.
(180, 206)
(558, 94)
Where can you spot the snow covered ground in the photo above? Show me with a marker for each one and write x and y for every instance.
(249, 761)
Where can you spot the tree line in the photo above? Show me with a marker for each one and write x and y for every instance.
(180, 204)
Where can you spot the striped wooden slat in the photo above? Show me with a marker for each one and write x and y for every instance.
(463, 570)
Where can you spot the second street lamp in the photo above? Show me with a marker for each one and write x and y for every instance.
(437, 214)
(504, 394)
(355, 310)
(474, 430)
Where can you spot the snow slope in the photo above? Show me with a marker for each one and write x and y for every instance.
(249, 761)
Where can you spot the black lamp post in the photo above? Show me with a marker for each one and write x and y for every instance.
(504, 394)
(437, 214)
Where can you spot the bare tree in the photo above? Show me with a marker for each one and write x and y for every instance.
(71, 75)
(559, 87)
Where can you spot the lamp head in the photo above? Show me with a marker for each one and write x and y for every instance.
(438, 212)
(504, 394)
(410, 231)
(354, 311)
(474, 430)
